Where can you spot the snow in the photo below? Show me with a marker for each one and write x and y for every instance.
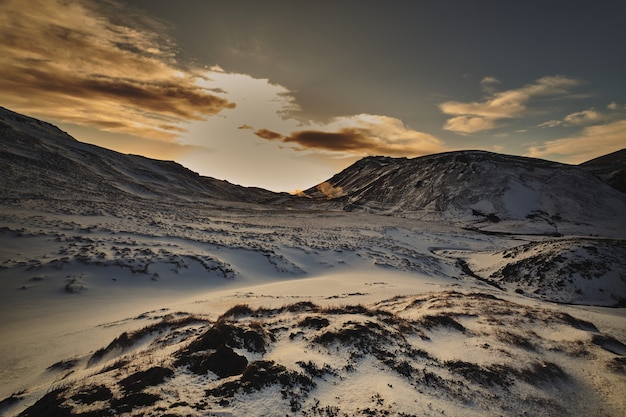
(521, 199)
(359, 313)
(330, 259)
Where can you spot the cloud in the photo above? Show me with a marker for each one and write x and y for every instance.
(551, 123)
(489, 80)
(362, 134)
(584, 118)
(587, 117)
(589, 143)
(68, 60)
(477, 116)
(489, 83)
(470, 124)
(268, 134)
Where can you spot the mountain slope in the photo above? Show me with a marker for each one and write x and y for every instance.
(569, 270)
(475, 186)
(610, 168)
(41, 161)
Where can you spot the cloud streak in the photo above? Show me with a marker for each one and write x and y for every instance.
(66, 60)
(588, 117)
(362, 134)
(590, 142)
(477, 116)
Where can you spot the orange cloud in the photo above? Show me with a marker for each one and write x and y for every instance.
(477, 116)
(68, 61)
(470, 124)
(591, 142)
(588, 117)
(361, 135)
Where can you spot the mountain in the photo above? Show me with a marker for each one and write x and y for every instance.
(475, 186)
(610, 168)
(42, 162)
(39, 160)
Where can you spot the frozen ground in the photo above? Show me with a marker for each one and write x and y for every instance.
(119, 309)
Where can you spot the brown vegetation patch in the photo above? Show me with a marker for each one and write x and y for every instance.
(314, 322)
(93, 394)
(148, 378)
(442, 320)
(609, 343)
(515, 339)
(486, 376)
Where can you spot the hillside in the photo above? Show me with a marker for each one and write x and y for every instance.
(444, 353)
(476, 187)
(610, 168)
(40, 161)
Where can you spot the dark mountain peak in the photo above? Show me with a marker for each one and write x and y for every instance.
(456, 157)
(41, 161)
(610, 168)
(9, 120)
(380, 159)
(613, 158)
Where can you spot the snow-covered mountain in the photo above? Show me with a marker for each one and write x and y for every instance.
(475, 186)
(466, 283)
(566, 270)
(39, 160)
(42, 162)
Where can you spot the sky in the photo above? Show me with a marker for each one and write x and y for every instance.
(284, 94)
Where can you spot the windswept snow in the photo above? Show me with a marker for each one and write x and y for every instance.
(76, 281)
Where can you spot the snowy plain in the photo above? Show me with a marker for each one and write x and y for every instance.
(75, 279)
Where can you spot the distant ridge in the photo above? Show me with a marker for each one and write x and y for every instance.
(473, 185)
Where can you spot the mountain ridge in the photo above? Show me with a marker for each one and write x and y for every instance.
(611, 168)
(51, 161)
(470, 186)
(473, 186)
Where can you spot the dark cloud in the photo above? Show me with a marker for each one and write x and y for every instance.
(382, 136)
(268, 134)
(345, 140)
